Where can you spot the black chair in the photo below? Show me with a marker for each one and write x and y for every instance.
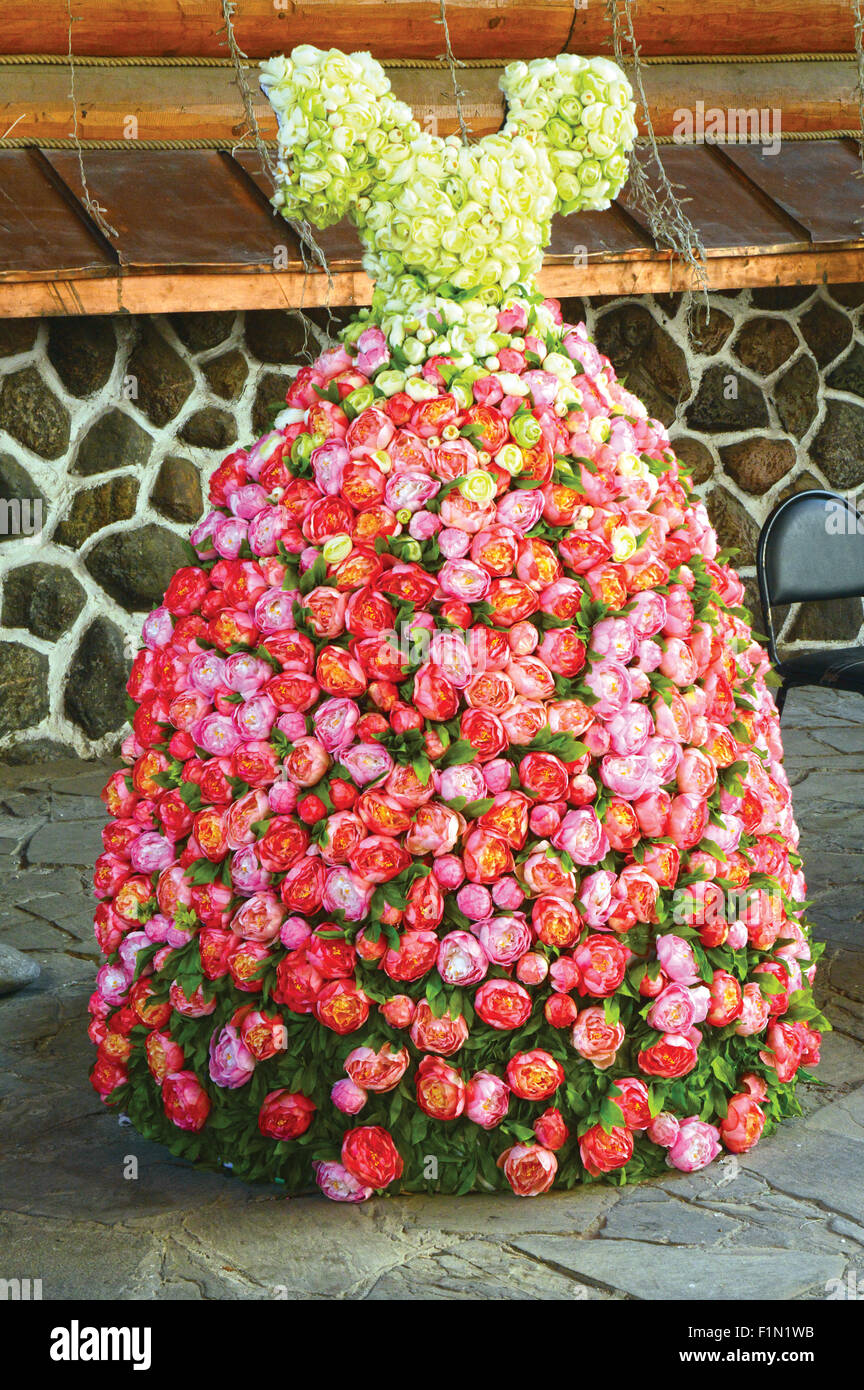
(810, 548)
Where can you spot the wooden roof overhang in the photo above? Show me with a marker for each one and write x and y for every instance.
(195, 232)
(159, 135)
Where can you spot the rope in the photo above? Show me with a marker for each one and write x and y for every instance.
(451, 60)
(301, 230)
(430, 64)
(96, 211)
(27, 142)
(667, 220)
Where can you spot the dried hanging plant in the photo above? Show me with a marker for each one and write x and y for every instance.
(669, 223)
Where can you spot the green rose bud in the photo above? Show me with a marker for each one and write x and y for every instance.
(301, 450)
(526, 430)
(360, 399)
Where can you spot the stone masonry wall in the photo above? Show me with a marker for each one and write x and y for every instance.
(110, 427)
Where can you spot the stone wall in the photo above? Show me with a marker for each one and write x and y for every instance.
(110, 427)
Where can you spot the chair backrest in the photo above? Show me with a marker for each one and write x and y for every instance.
(811, 547)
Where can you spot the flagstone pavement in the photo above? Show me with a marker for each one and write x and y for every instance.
(785, 1222)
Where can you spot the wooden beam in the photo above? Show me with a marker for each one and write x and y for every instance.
(158, 293)
(194, 103)
(394, 28)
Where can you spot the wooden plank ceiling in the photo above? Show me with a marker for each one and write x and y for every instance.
(194, 231)
(192, 228)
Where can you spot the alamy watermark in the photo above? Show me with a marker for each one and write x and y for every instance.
(21, 516)
(714, 125)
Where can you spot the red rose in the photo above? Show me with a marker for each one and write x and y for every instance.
(107, 1075)
(214, 948)
(503, 1004)
(440, 1089)
(672, 1056)
(186, 591)
(534, 1075)
(602, 1152)
(298, 983)
(342, 1006)
(726, 999)
(163, 1055)
(332, 956)
(484, 731)
(416, 956)
(370, 1156)
(560, 1010)
(529, 1168)
(282, 845)
(633, 1102)
(443, 1035)
(153, 1015)
(550, 1129)
(185, 1101)
(285, 1114)
(602, 962)
(743, 1124)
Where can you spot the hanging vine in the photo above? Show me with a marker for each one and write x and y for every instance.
(858, 13)
(668, 222)
(451, 60)
(96, 211)
(303, 232)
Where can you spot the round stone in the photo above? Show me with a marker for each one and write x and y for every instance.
(23, 687)
(827, 331)
(796, 396)
(82, 352)
(46, 599)
(198, 332)
(17, 335)
(848, 375)
(727, 401)
(735, 527)
(114, 441)
(757, 463)
(32, 414)
(708, 332)
(136, 567)
(23, 506)
(96, 681)
(764, 344)
(210, 428)
(654, 365)
(269, 400)
(838, 448)
(177, 490)
(162, 380)
(227, 374)
(277, 335)
(96, 507)
(696, 456)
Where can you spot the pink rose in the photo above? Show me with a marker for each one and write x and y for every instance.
(461, 959)
(231, 1063)
(582, 836)
(663, 1129)
(672, 1011)
(676, 959)
(696, 1145)
(595, 1039)
(487, 1099)
(348, 1097)
(339, 1185)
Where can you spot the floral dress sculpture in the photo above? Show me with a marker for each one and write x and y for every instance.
(454, 847)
